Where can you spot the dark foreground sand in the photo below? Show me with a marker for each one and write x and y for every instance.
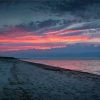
(20, 80)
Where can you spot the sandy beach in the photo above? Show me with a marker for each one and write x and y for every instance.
(21, 80)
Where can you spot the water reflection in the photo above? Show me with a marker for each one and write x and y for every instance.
(92, 66)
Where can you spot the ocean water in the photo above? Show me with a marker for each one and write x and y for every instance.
(91, 66)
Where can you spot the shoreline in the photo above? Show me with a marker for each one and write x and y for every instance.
(48, 67)
(21, 80)
(62, 70)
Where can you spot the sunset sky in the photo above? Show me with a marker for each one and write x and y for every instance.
(49, 28)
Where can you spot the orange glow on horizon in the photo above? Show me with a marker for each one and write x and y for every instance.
(44, 39)
(17, 48)
(24, 37)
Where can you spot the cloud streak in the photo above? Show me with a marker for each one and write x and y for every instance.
(27, 40)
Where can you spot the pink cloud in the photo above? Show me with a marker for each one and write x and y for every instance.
(20, 36)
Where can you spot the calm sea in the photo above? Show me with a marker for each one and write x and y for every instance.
(91, 66)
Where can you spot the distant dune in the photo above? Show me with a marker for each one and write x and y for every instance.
(20, 80)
